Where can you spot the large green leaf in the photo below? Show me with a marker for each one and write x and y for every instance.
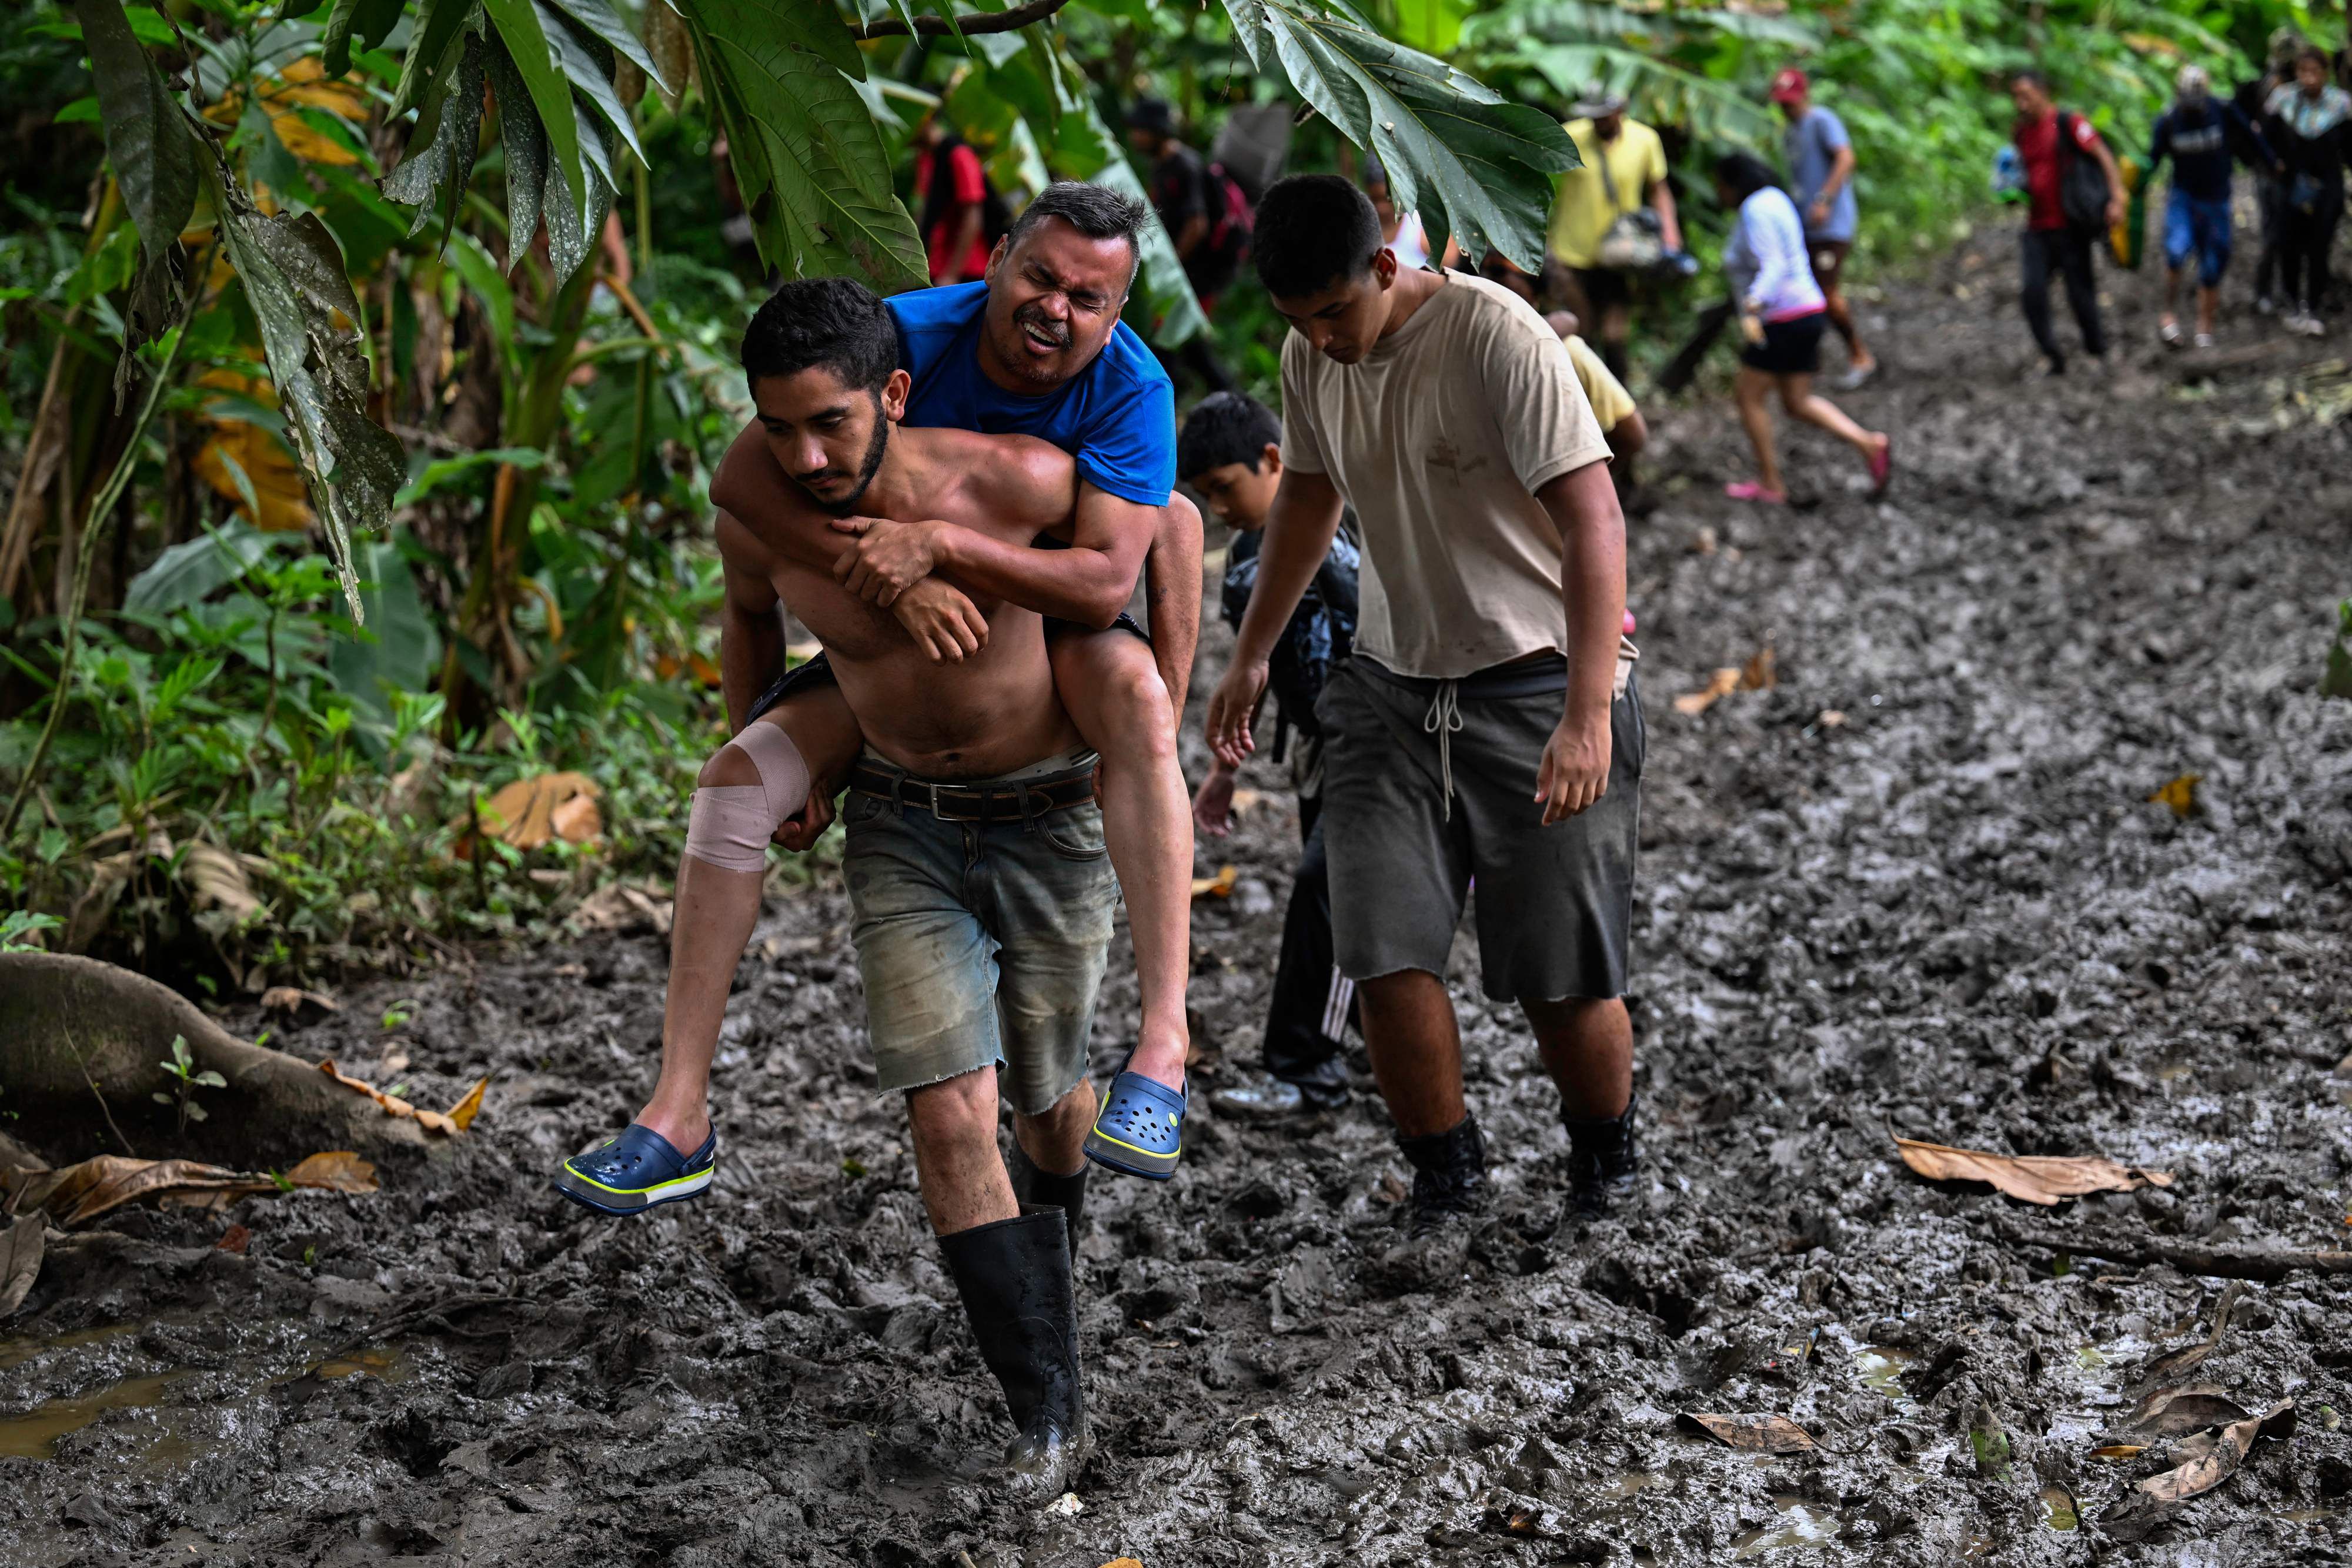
(295, 280)
(428, 45)
(573, 232)
(524, 139)
(590, 77)
(1454, 149)
(807, 156)
(440, 157)
(600, 19)
(533, 59)
(187, 572)
(365, 21)
(148, 141)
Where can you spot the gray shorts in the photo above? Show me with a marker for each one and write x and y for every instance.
(982, 945)
(1555, 904)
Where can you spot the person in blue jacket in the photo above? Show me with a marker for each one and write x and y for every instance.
(2204, 136)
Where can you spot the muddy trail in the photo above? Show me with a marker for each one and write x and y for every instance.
(1917, 886)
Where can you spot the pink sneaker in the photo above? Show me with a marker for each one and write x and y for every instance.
(1882, 468)
(1754, 490)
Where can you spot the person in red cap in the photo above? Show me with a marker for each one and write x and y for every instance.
(1821, 169)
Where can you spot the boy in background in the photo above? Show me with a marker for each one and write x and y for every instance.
(1230, 451)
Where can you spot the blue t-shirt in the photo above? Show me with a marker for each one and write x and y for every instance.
(1117, 418)
(2201, 140)
(1812, 144)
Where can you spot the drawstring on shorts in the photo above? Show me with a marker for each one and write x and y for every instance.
(1443, 720)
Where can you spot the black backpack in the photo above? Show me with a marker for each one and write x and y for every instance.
(2081, 184)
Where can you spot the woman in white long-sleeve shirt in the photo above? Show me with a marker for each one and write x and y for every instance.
(1782, 315)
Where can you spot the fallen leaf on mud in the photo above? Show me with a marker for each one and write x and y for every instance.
(2172, 1363)
(464, 1111)
(1122, 1562)
(294, 999)
(2181, 794)
(1067, 1506)
(433, 1121)
(235, 1238)
(1830, 719)
(1218, 887)
(1759, 675)
(82, 1192)
(21, 1246)
(2168, 1411)
(338, 1170)
(1721, 685)
(1749, 1434)
(2036, 1178)
(617, 907)
(529, 813)
(2157, 1498)
(2119, 1451)
(1247, 801)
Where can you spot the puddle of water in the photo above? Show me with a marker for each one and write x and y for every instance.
(1881, 1368)
(1631, 1483)
(2058, 1509)
(35, 1436)
(1802, 1525)
(387, 1364)
(2308, 1515)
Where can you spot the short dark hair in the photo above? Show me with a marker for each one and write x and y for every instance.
(2310, 52)
(2032, 76)
(1312, 231)
(837, 322)
(1744, 174)
(1226, 427)
(1096, 212)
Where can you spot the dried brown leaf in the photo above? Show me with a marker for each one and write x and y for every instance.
(336, 1170)
(218, 879)
(1721, 685)
(617, 907)
(294, 999)
(433, 1121)
(21, 1246)
(235, 1238)
(1760, 673)
(2159, 1498)
(2180, 794)
(83, 1192)
(2168, 1411)
(2045, 1179)
(524, 815)
(1749, 1434)
(1218, 887)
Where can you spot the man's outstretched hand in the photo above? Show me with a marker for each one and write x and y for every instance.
(1575, 769)
(799, 834)
(888, 559)
(942, 620)
(1232, 706)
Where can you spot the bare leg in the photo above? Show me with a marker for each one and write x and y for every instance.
(2209, 300)
(953, 1128)
(1857, 352)
(1114, 694)
(1757, 420)
(1798, 396)
(2171, 317)
(1053, 1141)
(1416, 1045)
(715, 912)
(1587, 1046)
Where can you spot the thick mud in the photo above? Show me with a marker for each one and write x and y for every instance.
(1954, 913)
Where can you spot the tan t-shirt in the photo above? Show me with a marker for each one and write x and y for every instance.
(1439, 439)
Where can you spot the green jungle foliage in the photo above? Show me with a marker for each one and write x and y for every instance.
(368, 360)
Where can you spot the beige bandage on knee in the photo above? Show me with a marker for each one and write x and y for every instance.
(730, 824)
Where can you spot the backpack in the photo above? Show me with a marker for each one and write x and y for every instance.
(2081, 184)
(1231, 218)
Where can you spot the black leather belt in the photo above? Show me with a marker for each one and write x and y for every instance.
(951, 801)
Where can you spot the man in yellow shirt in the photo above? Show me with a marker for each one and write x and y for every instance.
(1622, 169)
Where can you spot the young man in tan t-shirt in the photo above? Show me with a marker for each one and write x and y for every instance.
(1488, 724)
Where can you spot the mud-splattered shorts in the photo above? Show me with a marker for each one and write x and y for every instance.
(980, 945)
(1555, 905)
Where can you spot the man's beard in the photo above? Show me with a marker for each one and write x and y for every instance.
(866, 469)
(1016, 355)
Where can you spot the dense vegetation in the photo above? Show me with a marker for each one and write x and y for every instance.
(357, 464)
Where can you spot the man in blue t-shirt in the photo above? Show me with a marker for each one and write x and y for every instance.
(1821, 171)
(1036, 351)
(2204, 136)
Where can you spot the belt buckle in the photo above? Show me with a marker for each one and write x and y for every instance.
(931, 786)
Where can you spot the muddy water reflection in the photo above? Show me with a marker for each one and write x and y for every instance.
(1802, 1523)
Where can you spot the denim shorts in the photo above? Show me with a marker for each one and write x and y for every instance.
(980, 945)
(1555, 905)
(2203, 227)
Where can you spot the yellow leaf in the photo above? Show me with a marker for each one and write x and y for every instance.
(2181, 794)
(268, 466)
(1759, 675)
(338, 1170)
(1721, 685)
(530, 811)
(464, 1111)
(1218, 887)
(432, 1121)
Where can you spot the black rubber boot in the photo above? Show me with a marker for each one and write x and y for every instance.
(1035, 1188)
(1602, 1156)
(1449, 1181)
(1014, 1278)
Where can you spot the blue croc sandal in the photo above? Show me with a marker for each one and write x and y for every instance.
(639, 1170)
(1140, 1128)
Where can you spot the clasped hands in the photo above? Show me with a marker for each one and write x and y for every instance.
(890, 565)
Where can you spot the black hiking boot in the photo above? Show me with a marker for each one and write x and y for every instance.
(1602, 1156)
(1449, 1182)
(1038, 1189)
(1014, 1278)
